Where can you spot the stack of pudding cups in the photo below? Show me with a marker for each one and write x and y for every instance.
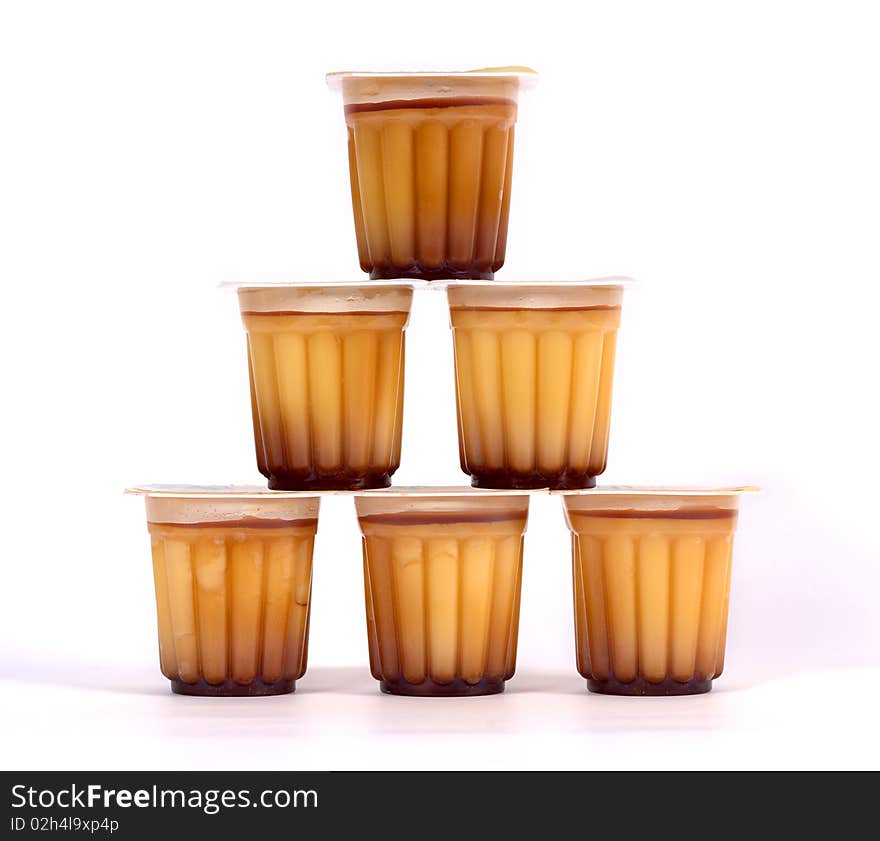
(431, 171)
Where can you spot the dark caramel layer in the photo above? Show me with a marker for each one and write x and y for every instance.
(345, 313)
(567, 480)
(695, 514)
(230, 689)
(244, 523)
(417, 271)
(640, 686)
(597, 308)
(296, 480)
(429, 689)
(433, 102)
(421, 518)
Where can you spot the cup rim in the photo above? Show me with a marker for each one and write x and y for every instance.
(337, 283)
(440, 491)
(416, 284)
(622, 281)
(182, 491)
(658, 491)
(322, 300)
(525, 75)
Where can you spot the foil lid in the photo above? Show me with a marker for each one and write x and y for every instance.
(214, 492)
(326, 298)
(239, 505)
(440, 491)
(657, 491)
(526, 76)
(493, 85)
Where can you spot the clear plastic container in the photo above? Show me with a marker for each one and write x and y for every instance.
(233, 576)
(534, 368)
(326, 366)
(651, 574)
(442, 575)
(431, 163)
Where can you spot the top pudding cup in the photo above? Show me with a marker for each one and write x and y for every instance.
(534, 366)
(431, 162)
(326, 374)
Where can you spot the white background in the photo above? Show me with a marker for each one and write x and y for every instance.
(725, 154)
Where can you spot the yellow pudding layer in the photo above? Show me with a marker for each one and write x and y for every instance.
(442, 597)
(651, 593)
(534, 392)
(233, 600)
(327, 396)
(430, 185)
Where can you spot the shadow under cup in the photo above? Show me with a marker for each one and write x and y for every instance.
(326, 367)
(233, 578)
(534, 369)
(431, 165)
(651, 578)
(442, 576)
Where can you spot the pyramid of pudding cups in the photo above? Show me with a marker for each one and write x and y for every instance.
(431, 163)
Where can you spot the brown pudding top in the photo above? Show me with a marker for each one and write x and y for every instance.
(243, 523)
(677, 514)
(425, 518)
(433, 102)
(597, 307)
(345, 313)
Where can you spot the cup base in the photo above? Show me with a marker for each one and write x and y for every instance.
(505, 480)
(640, 686)
(327, 482)
(429, 689)
(448, 271)
(230, 689)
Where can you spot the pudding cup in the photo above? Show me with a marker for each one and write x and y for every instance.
(534, 369)
(431, 165)
(442, 575)
(326, 368)
(651, 576)
(233, 575)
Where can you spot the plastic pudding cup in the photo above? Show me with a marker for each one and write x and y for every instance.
(651, 574)
(442, 574)
(534, 368)
(326, 367)
(431, 164)
(233, 576)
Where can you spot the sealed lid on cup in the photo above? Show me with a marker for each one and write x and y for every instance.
(599, 293)
(326, 298)
(448, 503)
(364, 87)
(654, 502)
(219, 504)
